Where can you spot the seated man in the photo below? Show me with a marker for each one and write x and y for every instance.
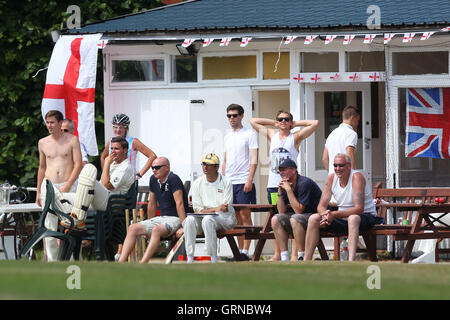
(211, 194)
(303, 195)
(356, 209)
(117, 178)
(166, 189)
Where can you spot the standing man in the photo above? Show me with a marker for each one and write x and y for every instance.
(60, 162)
(343, 139)
(283, 144)
(239, 165)
(121, 123)
(356, 209)
(68, 126)
(303, 195)
(212, 196)
(167, 190)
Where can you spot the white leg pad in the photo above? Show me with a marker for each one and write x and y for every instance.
(61, 202)
(85, 191)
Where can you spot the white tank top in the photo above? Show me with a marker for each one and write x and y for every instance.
(344, 196)
(280, 150)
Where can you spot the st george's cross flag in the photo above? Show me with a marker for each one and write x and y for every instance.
(70, 85)
(428, 123)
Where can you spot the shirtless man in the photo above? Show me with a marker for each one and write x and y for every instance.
(60, 162)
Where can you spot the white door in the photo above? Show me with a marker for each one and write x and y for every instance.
(324, 102)
(209, 123)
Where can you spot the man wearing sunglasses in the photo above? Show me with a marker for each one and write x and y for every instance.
(356, 209)
(284, 144)
(167, 190)
(212, 198)
(69, 127)
(239, 165)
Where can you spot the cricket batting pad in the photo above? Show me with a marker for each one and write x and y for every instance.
(85, 191)
(60, 203)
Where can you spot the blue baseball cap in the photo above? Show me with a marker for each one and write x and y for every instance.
(287, 163)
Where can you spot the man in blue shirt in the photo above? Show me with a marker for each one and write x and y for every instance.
(167, 190)
(303, 195)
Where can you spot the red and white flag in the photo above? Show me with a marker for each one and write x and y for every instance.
(207, 42)
(329, 38)
(70, 85)
(348, 39)
(368, 39)
(245, 41)
(408, 37)
(225, 41)
(102, 44)
(388, 37)
(188, 42)
(289, 39)
(426, 35)
(309, 39)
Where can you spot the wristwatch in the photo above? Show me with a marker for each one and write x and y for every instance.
(139, 175)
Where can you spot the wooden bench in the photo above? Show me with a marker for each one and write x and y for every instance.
(405, 196)
(407, 201)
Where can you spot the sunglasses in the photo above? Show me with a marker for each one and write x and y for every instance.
(66, 130)
(118, 127)
(158, 167)
(340, 165)
(285, 119)
(207, 164)
(232, 115)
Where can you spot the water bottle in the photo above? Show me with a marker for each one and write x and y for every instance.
(6, 192)
(343, 250)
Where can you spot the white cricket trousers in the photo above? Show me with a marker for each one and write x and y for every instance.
(208, 225)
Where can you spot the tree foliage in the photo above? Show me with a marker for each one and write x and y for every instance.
(26, 45)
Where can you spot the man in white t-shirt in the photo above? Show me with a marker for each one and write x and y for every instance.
(239, 166)
(212, 198)
(343, 139)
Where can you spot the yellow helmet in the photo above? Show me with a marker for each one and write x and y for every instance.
(210, 158)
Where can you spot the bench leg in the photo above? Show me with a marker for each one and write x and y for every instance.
(258, 249)
(371, 244)
(322, 250)
(234, 248)
(337, 243)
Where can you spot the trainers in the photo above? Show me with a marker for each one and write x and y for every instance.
(244, 257)
(116, 257)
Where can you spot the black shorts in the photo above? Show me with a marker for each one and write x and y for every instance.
(340, 225)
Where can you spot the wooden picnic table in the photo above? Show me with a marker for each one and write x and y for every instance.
(424, 225)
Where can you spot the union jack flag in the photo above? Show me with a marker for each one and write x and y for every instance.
(428, 123)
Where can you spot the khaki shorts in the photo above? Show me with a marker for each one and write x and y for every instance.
(285, 220)
(171, 223)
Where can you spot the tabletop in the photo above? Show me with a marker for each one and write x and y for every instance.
(21, 207)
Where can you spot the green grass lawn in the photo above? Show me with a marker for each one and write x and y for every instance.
(261, 280)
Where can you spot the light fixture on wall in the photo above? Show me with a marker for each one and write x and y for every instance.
(192, 50)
